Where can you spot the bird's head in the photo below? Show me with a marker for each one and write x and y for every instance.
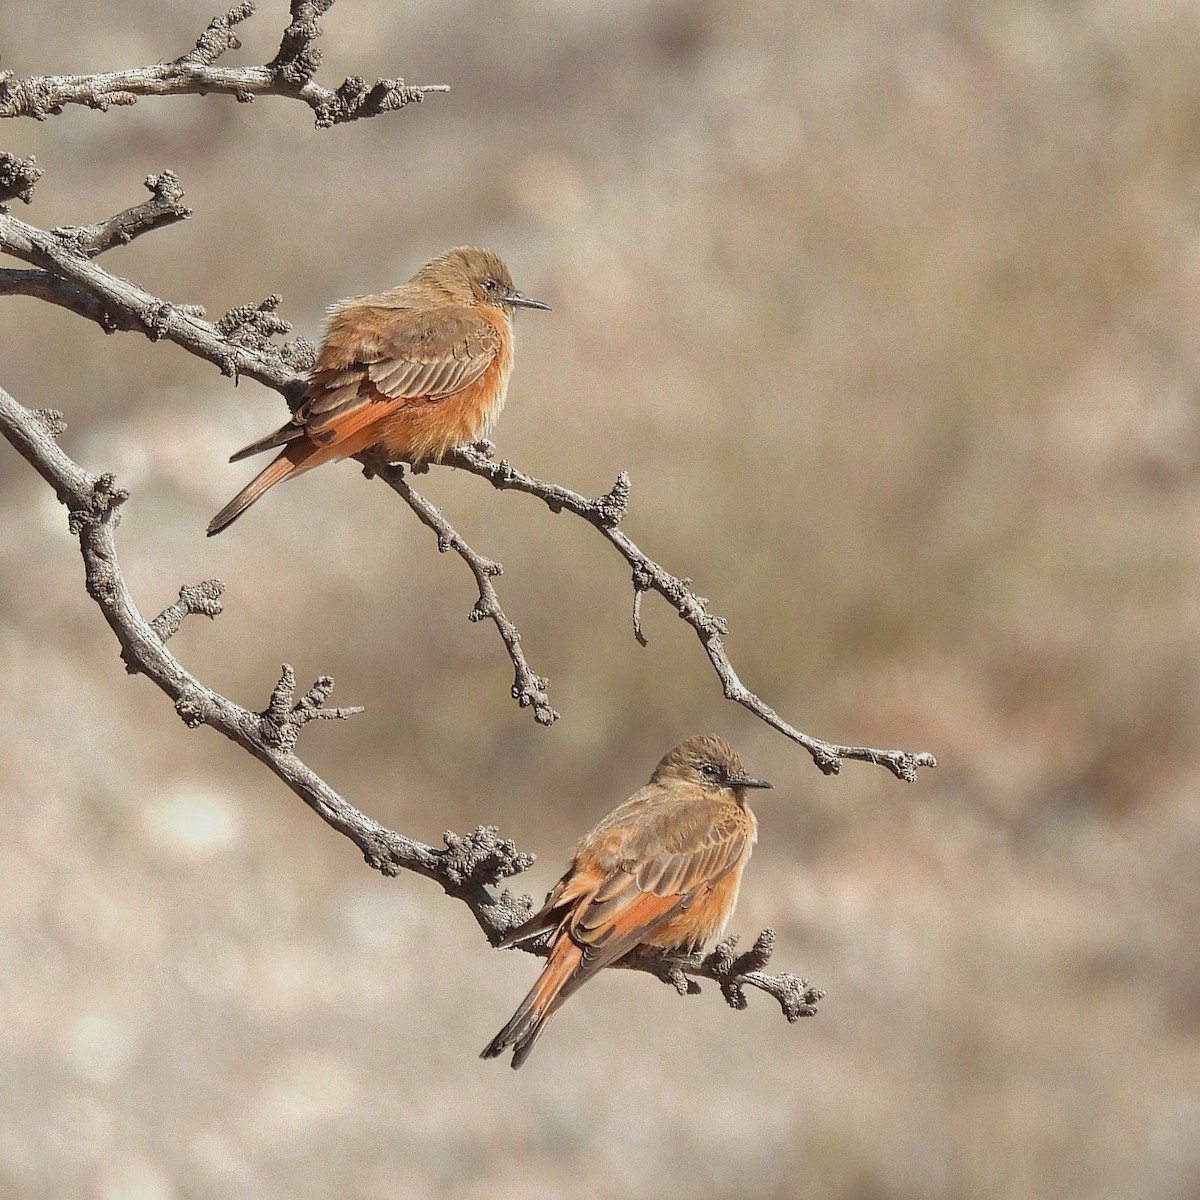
(468, 275)
(708, 761)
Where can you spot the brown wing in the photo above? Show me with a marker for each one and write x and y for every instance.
(378, 356)
(641, 895)
(622, 905)
(605, 913)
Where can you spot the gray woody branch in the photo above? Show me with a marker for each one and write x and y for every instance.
(467, 869)
(290, 73)
(239, 345)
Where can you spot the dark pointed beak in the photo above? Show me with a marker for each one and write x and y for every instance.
(518, 301)
(748, 781)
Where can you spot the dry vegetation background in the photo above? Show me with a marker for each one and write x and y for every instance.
(891, 311)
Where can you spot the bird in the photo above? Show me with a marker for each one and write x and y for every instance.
(661, 870)
(413, 372)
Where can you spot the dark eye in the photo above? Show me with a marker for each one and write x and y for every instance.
(709, 769)
(490, 285)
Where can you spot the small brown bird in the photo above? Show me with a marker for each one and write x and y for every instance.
(413, 372)
(661, 870)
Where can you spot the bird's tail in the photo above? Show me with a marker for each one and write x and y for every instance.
(559, 978)
(280, 469)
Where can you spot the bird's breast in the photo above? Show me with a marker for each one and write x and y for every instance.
(424, 430)
(707, 916)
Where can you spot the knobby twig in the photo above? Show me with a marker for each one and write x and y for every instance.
(239, 344)
(201, 598)
(605, 514)
(164, 207)
(290, 73)
(17, 179)
(467, 869)
(529, 688)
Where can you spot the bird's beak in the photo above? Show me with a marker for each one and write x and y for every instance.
(518, 301)
(748, 781)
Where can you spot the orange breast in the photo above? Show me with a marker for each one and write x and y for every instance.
(708, 916)
(709, 913)
(427, 429)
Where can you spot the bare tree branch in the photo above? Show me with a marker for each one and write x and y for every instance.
(115, 303)
(42, 285)
(466, 869)
(528, 689)
(163, 208)
(290, 73)
(240, 344)
(605, 514)
(94, 504)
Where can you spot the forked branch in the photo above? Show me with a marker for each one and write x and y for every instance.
(239, 344)
(468, 868)
(605, 514)
(290, 73)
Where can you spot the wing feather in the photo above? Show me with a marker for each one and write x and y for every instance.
(376, 356)
(637, 899)
(607, 912)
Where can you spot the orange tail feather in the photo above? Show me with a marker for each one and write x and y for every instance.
(559, 978)
(279, 470)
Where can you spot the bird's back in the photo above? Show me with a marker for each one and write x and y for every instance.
(659, 819)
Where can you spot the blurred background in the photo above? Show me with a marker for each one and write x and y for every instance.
(889, 310)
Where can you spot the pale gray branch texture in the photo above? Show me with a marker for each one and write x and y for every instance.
(289, 73)
(467, 869)
(240, 343)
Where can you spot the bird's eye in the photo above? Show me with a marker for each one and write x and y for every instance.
(490, 285)
(708, 768)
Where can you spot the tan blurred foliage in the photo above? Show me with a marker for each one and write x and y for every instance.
(890, 310)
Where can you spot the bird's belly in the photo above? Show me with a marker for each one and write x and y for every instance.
(707, 917)
(427, 429)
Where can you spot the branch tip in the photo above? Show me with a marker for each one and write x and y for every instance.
(614, 504)
(218, 37)
(164, 207)
(290, 73)
(17, 175)
(281, 721)
(201, 599)
(529, 688)
(355, 99)
(251, 326)
(733, 973)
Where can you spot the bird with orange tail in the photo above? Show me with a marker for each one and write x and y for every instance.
(413, 372)
(662, 870)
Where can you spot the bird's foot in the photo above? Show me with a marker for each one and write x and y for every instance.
(673, 968)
